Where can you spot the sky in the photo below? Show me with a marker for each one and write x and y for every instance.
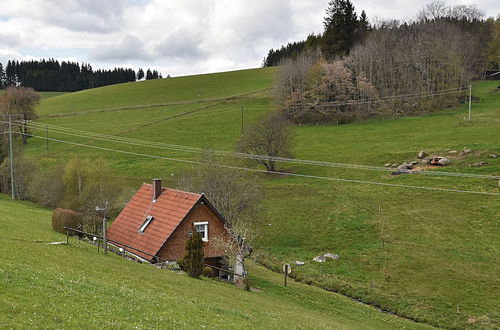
(176, 37)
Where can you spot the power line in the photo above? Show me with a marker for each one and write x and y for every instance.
(137, 142)
(271, 172)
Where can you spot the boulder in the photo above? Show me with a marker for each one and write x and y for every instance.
(439, 161)
(444, 161)
(387, 164)
(331, 256)
(394, 165)
(465, 152)
(421, 154)
(451, 152)
(299, 263)
(415, 162)
(478, 164)
(493, 156)
(405, 166)
(319, 259)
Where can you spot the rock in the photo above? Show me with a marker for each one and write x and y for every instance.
(331, 256)
(452, 152)
(387, 164)
(299, 263)
(444, 161)
(465, 152)
(426, 161)
(398, 173)
(439, 161)
(421, 154)
(493, 156)
(415, 162)
(405, 166)
(478, 164)
(394, 165)
(319, 259)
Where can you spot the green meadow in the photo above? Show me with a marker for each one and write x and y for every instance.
(429, 255)
(73, 286)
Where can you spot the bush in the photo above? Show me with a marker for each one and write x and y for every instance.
(192, 262)
(208, 271)
(46, 188)
(91, 224)
(65, 218)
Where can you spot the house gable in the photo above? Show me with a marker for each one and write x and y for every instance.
(173, 248)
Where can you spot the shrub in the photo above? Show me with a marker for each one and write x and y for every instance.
(208, 271)
(91, 224)
(65, 218)
(46, 188)
(192, 261)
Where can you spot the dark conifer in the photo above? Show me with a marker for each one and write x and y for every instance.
(192, 262)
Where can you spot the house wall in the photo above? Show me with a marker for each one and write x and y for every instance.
(173, 249)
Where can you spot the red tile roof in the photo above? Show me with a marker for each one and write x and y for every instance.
(168, 211)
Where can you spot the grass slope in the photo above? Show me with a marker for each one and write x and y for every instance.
(424, 254)
(151, 92)
(70, 286)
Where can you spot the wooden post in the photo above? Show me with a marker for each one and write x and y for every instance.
(104, 236)
(11, 158)
(67, 236)
(286, 272)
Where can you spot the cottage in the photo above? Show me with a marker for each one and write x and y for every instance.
(158, 221)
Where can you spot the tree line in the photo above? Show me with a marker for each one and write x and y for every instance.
(54, 76)
(361, 70)
(342, 29)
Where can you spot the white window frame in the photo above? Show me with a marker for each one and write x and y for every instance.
(145, 224)
(205, 223)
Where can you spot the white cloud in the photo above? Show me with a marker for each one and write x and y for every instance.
(176, 37)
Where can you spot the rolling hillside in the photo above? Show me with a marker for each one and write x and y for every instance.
(69, 286)
(425, 254)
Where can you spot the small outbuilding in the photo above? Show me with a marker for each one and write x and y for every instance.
(158, 221)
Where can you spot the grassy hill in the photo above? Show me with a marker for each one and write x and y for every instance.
(69, 286)
(428, 255)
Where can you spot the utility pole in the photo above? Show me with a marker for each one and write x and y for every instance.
(470, 100)
(11, 156)
(104, 226)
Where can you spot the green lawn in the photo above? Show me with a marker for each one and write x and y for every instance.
(72, 286)
(427, 255)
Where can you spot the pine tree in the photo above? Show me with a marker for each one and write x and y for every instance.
(2, 76)
(149, 75)
(340, 27)
(192, 262)
(140, 74)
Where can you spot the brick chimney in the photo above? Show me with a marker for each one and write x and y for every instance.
(156, 188)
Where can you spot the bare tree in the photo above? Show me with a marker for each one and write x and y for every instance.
(233, 193)
(21, 100)
(270, 137)
(236, 195)
(235, 244)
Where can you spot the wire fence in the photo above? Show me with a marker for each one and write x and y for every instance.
(133, 253)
